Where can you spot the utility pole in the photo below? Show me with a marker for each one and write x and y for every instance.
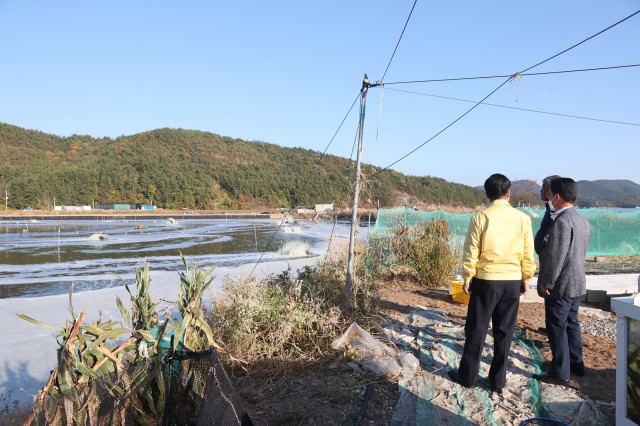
(356, 194)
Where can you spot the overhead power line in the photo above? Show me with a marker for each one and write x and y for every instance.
(441, 131)
(341, 123)
(439, 80)
(516, 108)
(334, 135)
(516, 75)
(309, 176)
(399, 39)
(579, 43)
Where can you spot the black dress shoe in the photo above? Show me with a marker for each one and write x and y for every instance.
(578, 369)
(455, 377)
(486, 383)
(550, 379)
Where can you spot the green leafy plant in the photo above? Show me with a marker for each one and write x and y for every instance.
(143, 317)
(193, 332)
(143, 314)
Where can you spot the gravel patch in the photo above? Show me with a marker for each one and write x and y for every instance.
(605, 328)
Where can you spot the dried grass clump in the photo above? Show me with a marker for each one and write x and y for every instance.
(421, 252)
(264, 320)
(328, 278)
(286, 318)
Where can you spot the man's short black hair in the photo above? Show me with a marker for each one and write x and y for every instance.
(546, 181)
(566, 188)
(496, 186)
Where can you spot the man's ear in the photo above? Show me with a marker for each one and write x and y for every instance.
(508, 194)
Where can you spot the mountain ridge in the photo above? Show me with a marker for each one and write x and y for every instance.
(621, 193)
(178, 168)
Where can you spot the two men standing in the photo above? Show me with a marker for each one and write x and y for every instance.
(498, 262)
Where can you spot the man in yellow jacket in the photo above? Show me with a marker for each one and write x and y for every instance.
(497, 264)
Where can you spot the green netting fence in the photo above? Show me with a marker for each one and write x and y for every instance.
(614, 232)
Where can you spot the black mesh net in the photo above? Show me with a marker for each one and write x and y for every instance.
(181, 388)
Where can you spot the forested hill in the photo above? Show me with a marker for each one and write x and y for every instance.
(175, 168)
(608, 193)
(591, 193)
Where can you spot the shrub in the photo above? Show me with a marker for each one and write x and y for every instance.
(327, 280)
(259, 321)
(287, 317)
(422, 252)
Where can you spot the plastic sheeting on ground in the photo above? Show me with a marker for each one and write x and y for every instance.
(430, 397)
(372, 355)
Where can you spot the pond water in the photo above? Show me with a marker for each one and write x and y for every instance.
(43, 258)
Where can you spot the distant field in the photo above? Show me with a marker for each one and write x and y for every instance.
(92, 214)
(161, 212)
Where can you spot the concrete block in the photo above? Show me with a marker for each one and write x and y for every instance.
(597, 296)
(583, 298)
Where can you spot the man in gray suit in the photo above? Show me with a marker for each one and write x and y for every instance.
(561, 282)
(547, 220)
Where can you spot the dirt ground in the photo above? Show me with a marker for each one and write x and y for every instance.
(326, 395)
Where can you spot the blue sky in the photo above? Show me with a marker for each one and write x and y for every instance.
(288, 72)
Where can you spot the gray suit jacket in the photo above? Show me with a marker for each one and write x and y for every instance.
(563, 254)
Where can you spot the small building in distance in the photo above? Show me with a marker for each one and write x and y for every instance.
(316, 208)
(324, 207)
(71, 208)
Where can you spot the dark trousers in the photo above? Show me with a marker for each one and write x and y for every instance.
(563, 331)
(498, 301)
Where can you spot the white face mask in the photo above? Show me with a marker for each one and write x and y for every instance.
(551, 206)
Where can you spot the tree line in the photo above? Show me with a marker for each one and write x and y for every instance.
(177, 168)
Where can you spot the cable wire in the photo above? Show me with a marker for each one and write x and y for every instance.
(441, 131)
(379, 114)
(516, 108)
(310, 175)
(439, 80)
(341, 123)
(579, 43)
(399, 39)
(516, 75)
(353, 147)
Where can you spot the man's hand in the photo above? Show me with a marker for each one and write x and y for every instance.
(524, 288)
(466, 288)
(545, 291)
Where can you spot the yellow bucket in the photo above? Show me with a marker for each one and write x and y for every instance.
(458, 294)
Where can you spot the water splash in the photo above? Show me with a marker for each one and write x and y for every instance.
(291, 229)
(295, 249)
(98, 237)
